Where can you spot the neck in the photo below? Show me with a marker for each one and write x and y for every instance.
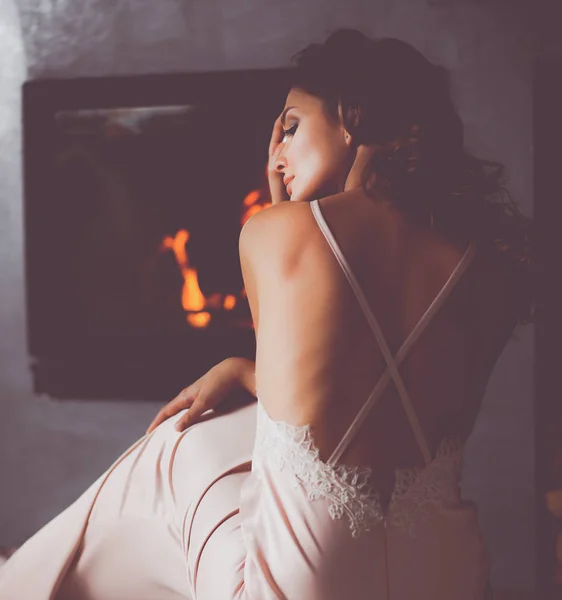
(363, 156)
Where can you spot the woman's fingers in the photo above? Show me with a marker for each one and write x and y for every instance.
(183, 400)
(273, 159)
(277, 188)
(195, 411)
(276, 136)
(205, 393)
(275, 143)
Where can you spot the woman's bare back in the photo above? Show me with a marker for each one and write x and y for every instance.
(327, 360)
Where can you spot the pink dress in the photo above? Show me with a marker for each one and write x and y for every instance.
(240, 506)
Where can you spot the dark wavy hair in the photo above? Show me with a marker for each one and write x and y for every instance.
(393, 99)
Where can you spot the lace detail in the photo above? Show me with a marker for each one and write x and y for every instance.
(347, 488)
(420, 492)
(417, 494)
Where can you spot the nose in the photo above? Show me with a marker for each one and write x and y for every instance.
(281, 162)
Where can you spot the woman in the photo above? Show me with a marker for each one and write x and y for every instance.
(342, 479)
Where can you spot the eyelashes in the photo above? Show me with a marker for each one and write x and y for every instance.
(290, 131)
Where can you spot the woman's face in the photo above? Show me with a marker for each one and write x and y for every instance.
(315, 153)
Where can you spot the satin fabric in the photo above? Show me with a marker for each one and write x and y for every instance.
(174, 520)
(206, 514)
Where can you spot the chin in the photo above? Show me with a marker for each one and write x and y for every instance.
(314, 191)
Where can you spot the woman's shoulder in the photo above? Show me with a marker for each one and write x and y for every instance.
(274, 240)
(279, 219)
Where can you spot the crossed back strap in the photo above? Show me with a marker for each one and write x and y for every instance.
(391, 372)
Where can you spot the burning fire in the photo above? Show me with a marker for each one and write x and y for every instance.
(193, 300)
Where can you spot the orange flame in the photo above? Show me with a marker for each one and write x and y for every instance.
(252, 205)
(193, 300)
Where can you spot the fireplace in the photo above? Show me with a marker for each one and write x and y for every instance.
(136, 189)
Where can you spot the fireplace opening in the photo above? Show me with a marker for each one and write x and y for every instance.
(136, 189)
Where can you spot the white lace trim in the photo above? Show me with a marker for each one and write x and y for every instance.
(421, 491)
(348, 488)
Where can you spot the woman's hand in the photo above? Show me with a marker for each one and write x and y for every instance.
(276, 186)
(207, 392)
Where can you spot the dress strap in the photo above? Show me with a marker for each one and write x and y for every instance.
(392, 363)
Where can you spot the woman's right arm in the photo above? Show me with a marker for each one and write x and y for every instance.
(246, 374)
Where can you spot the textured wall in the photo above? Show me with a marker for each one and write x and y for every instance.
(51, 451)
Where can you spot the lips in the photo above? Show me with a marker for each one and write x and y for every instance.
(287, 182)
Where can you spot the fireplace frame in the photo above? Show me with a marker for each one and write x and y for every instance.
(136, 368)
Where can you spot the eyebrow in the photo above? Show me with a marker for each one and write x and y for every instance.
(284, 114)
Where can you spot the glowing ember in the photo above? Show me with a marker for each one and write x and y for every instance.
(229, 302)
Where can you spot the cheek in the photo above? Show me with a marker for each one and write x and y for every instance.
(315, 162)
(306, 158)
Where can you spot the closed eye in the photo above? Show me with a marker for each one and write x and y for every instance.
(291, 130)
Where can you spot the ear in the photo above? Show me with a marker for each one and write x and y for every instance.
(353, 118)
